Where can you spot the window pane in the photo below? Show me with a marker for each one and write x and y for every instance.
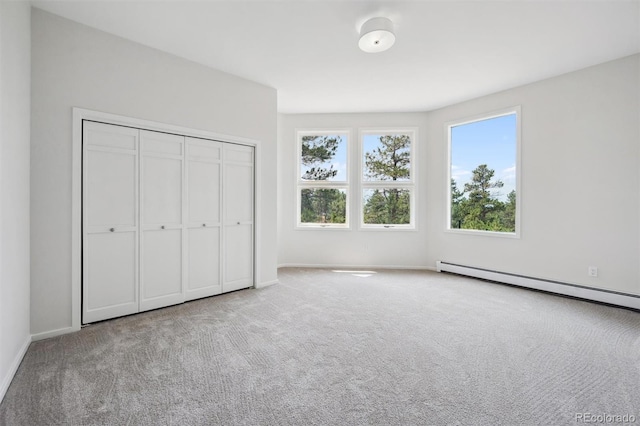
(386, 206)
(483, 174)
(386, 157)
(323, 157)
(323, 205)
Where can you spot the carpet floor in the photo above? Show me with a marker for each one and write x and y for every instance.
(330, 347)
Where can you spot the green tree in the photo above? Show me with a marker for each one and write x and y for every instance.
(377, 207)
(457, 205)
(320, 205)
(508, 218)
(316, 152)
(482, 203)
(390, 161)
(478, 207)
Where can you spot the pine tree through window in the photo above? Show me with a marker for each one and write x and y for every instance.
(387, 179)
(322, 179)
(483, 171)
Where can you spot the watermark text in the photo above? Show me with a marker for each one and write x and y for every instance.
(605, 418)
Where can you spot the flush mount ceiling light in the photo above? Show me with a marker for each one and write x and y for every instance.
(376, 35)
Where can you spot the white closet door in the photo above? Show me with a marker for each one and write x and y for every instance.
(161, 272)
(203, 224)
(238, 196)
(110, 221)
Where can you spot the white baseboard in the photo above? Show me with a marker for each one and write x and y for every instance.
(574, 290)
(6, 381)
(267, 283)
(53, 333)
(355, 267)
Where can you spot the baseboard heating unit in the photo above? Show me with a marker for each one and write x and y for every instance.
(573, 290)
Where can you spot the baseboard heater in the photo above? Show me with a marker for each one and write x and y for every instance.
(573, 290)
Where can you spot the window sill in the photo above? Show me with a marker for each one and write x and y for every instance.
(388, 228)
(493, 234)
(323, 228)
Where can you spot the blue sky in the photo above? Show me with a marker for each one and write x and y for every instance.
(491, 142)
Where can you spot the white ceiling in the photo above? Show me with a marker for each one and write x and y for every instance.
(445, 51)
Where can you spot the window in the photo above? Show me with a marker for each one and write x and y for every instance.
(387, 179)
(483, 183)
(322, 180)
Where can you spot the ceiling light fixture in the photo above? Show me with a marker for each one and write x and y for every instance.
(376, 35)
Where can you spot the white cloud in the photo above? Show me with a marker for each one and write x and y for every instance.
(509, 173)
(341, 168)
(508, 177)
(459, 174)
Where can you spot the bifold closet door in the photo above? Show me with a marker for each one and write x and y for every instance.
(110, 221)
(162, 204)
(165, 218)
(238, 208)
(204, 168)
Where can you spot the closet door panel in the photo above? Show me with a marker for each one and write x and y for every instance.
(110, 269)
(238, 181)
(238, 257)
(204, 192)
(111, 198)
(161, 268)
(101, 135)
(162, 195)
(204, 263)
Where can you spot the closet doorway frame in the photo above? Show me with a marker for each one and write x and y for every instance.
(81, 114)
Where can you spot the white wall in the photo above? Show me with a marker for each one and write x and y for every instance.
(580, 180)
(580, 195)
(355, 247)
(77, 66)
(14, 187)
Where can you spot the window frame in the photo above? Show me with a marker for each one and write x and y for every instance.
(518, 187)
(410, 184)
(301, 184)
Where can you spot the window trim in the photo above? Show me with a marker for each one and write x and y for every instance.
(300, 184)
(411, 184)
(472, 119)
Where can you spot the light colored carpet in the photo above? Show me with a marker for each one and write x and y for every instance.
(333, 348)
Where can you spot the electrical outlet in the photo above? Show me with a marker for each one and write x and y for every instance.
(593, 271)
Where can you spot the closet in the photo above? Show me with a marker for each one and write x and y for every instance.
(166, 218)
